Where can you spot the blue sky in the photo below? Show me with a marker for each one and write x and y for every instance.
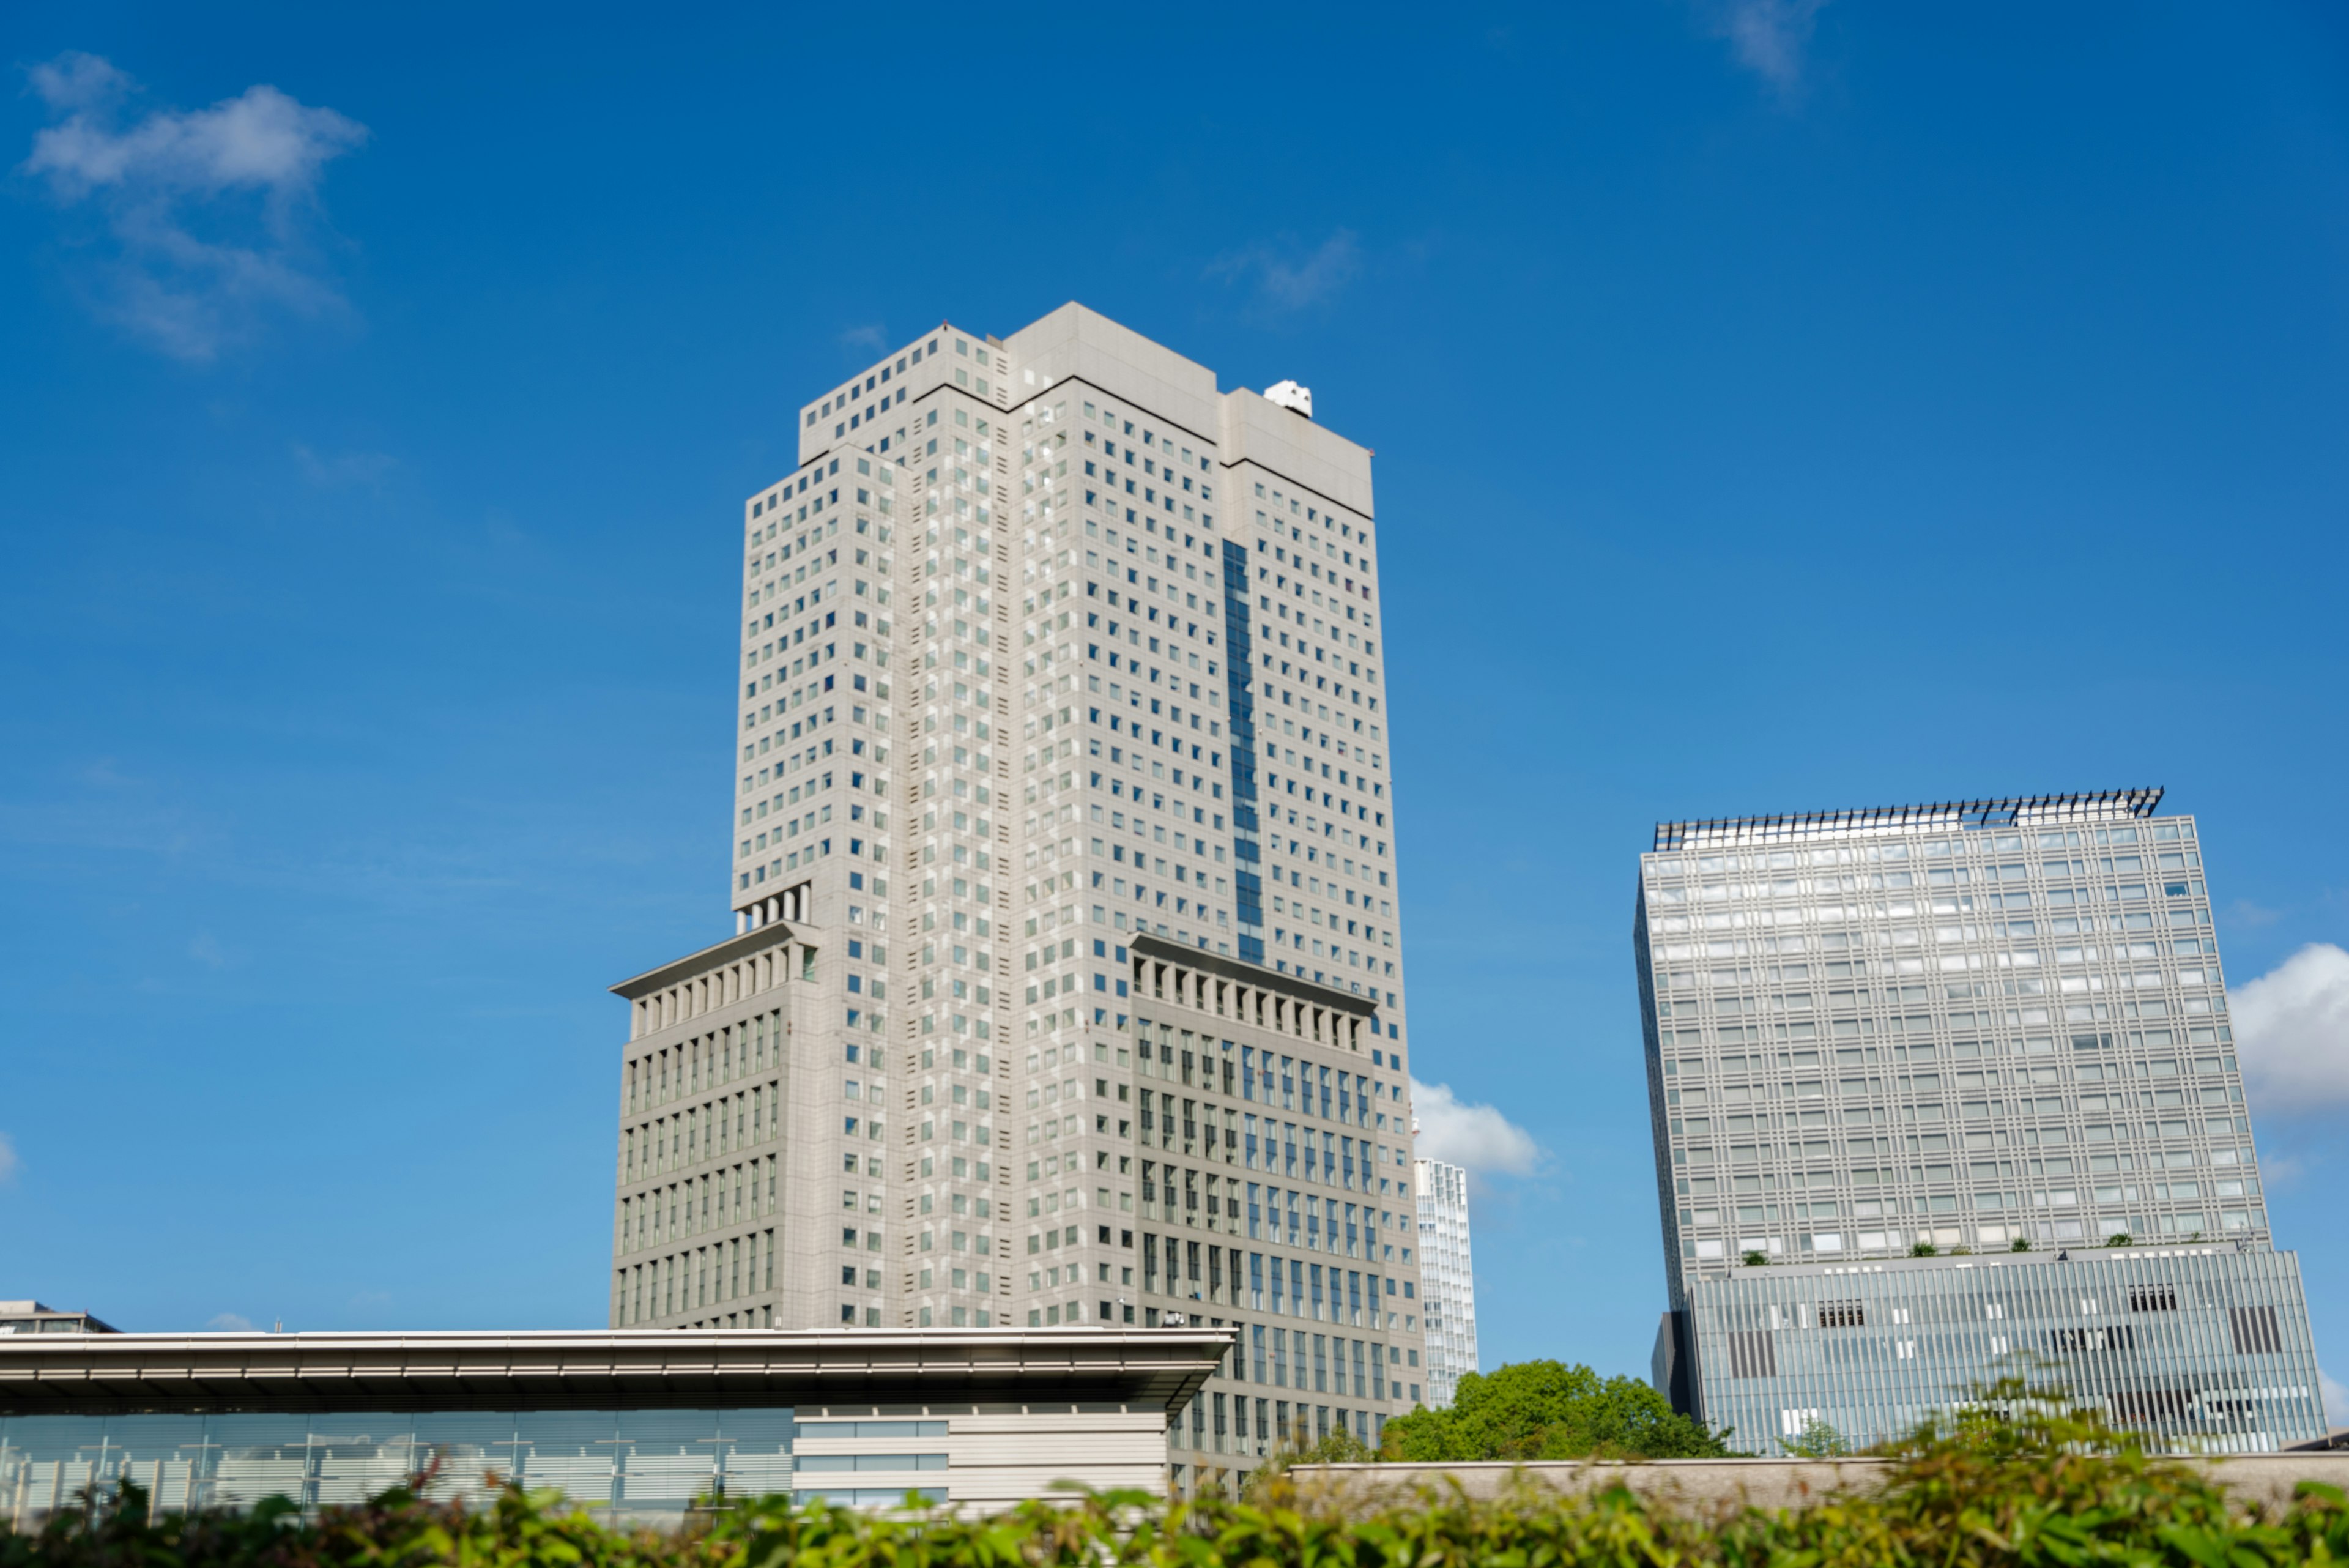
(1779, 406)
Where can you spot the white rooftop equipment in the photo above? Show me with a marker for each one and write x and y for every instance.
(1289, 395)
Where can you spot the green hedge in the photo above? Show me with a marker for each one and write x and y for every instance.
(2022, 1485)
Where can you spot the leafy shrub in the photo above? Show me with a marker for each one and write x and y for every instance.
(2013, 1479)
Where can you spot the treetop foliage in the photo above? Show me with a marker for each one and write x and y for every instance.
(1550, 1410)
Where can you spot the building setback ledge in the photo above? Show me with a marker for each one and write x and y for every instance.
(758, 939)
(1161, 950)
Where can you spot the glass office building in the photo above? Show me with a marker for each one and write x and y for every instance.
(1961, 1030)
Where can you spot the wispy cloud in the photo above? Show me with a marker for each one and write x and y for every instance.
(7, 1159)
(1769, 38)
(1478, 1138)
(2243, 912)
(869, 338)
(210, 215)
(336, 470)
(2291, 1030)
(230, 1323)
(2280, 1172)
(1286, 280)
(104, 773)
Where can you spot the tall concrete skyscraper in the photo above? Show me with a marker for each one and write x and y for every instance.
(1066, 985)
(1447, 1277)
(1944, 1092)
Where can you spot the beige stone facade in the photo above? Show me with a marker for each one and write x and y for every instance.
(1061, 686)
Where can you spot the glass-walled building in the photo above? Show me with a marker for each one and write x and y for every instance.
(1995, 1026)
(635, 1425)
(640, 1464)
(2201, 1349)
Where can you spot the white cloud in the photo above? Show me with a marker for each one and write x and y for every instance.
(2337, 1398)
(2291, 1030)
(1478, 1138)
(1284, 283)
(7, 1159)
(231, 1323)
(210, 215)
(77, 80)
(1768, 36)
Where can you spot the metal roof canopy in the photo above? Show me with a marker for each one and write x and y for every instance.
(2014, 811)
(604, 1369)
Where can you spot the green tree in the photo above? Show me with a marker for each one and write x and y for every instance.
(1550, 1410)
(1818, 1440)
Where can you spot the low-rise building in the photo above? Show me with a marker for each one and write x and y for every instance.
(636, 1425)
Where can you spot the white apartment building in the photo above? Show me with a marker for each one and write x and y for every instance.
(1447, 1278)
(1067, 983)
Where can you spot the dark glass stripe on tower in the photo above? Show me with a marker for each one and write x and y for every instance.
(1240, 667)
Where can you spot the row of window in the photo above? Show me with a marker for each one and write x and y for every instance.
(703, 1277)
(714, 1200)
(869, 387)
(1189, 1271)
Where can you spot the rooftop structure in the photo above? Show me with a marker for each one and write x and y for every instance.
(32, 1317)
(1940, 817)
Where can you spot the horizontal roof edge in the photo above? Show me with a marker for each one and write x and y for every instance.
(2032, 810)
